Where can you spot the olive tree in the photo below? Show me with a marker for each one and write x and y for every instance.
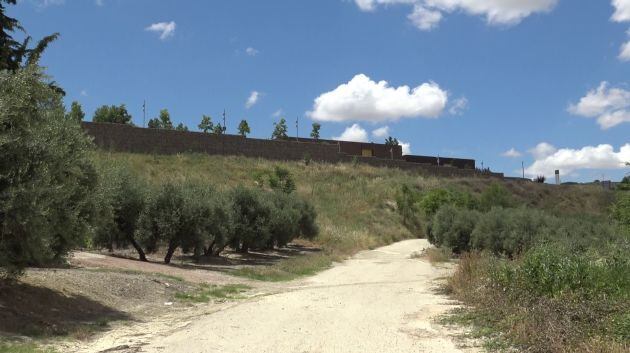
(46, 175)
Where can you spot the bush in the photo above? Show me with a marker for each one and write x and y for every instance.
(431, 202)
(452, 227)
(495, 196)
(46, 176)
(509, 231)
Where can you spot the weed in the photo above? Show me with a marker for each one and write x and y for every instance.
(206, 292)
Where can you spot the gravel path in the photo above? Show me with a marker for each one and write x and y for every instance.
(379, 301)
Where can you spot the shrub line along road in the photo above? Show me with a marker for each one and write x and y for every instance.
(378, 301)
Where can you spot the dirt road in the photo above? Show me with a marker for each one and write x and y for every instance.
(378, 301)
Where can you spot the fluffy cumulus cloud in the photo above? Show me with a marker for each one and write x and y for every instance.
(252, 99)
(622, 10)
(423, 18)
(426, 14)
(543, 150)
(511, 153)
(608, 105)
(165, 29)
(568, 160)
(362, 99)
(406, 147)
(353, 133)
(381, 132)
(624, 53)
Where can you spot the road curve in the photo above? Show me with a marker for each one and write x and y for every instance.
(379, 301)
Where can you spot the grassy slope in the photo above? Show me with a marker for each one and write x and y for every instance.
(355, 203)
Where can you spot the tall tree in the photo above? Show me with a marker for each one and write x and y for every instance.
(163, 121)
(280, 130)
(243, 128)
(315, 131)
(390, 141)
(15, 55)
(76, 112)
(112, 114)
(48, 176)
(206, 124)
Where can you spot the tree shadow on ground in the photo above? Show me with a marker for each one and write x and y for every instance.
(34, 311)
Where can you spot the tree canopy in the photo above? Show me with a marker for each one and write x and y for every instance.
(76, 112)
(280, 130)
(243, 128)
(206, 124)
(315, 131)
(112, 114)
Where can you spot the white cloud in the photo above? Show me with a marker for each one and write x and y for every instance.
(278, 113)
(381, 132)
(165, 29)
(42, 4)
(251, 51)
(458, 106)
(590, 157)
(99, 2)
(84, 93)
(608, 105)
(253, 99)
(424, 19)
(624, 54)
(511, 153)
(428, 13)
(543, 150)
(362, 99)
(406, 147)
(353, 133)
(622, 10)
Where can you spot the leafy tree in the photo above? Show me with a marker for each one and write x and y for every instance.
(76, 113)
(161, 122)
(496, 196)
(540, 179)
(315, 131)
(243, 128)
(390, 141)
(280, 130)
(251, 219)
(121, 199)
(112, 114)
(46, 175)
(181, 127)
(206, 124)
(218, 129)
(15, 55)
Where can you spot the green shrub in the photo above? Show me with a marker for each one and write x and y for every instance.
(621, 210)
(496, 195)
(509, 231)
(431, 202)
(452, 228)
(46, 175)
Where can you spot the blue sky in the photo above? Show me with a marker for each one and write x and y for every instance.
(546, 80)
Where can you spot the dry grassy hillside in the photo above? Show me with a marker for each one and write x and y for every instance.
(355, 202)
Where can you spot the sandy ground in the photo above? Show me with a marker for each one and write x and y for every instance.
(379, 301)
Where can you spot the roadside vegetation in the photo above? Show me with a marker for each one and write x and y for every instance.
(540, 280)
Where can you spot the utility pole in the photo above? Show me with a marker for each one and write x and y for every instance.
(297, 129)
(523, 167)
(144, 113)
(224, 124)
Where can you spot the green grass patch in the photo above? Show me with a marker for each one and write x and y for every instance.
(288, 269)
(24, 348)
(207, 292)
